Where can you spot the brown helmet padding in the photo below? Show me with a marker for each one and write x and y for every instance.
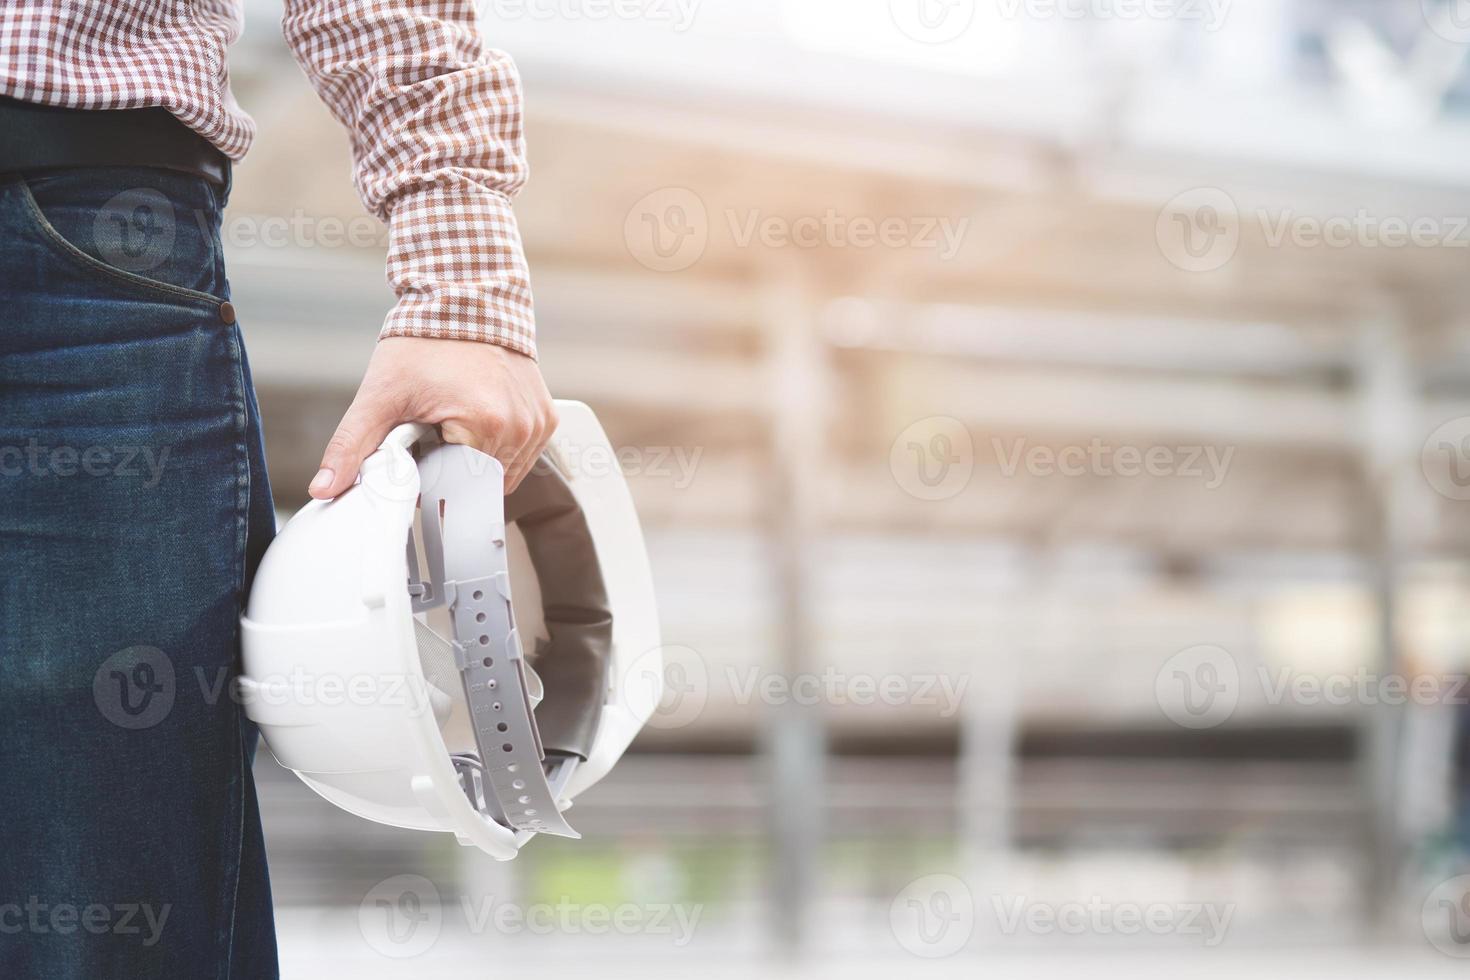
(574, 662)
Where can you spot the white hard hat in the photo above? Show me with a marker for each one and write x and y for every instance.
(481, 694)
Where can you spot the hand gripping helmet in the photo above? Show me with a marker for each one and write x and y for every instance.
(429, 654)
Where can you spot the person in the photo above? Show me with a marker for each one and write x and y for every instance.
(134, 501)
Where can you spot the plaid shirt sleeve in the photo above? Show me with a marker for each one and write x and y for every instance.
(435, 121)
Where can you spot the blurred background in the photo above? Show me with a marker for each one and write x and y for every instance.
(1050, 420)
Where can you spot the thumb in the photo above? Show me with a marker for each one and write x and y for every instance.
(358, 436)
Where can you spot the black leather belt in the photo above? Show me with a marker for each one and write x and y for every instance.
(36, 137)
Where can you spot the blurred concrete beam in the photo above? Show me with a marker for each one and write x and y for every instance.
(1089, 337)
(1041, 400)
(684, 385)
(815, 139)
(798, 389)
(1389, 414)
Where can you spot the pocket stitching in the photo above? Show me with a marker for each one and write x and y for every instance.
(93, 264)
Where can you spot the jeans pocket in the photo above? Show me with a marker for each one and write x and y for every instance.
(139, 238)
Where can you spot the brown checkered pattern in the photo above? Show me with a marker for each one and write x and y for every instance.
(434, 116)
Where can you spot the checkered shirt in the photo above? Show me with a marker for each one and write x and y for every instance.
(434, 117)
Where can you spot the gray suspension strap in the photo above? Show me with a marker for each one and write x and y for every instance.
(469, 572)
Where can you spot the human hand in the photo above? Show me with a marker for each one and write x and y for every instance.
(480, 395)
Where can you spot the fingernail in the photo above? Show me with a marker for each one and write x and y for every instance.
(322, 480)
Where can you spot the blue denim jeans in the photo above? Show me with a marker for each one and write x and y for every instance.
(134, 506)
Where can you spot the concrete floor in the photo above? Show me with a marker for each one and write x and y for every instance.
(334, 943)
(312, 955)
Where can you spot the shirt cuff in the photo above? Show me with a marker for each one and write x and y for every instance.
(456, 264)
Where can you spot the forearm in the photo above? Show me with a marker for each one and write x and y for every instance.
(434, 116)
